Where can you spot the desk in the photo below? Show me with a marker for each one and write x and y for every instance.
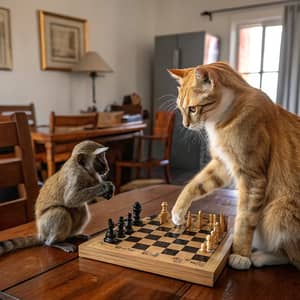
(51, 145)
(46, 273)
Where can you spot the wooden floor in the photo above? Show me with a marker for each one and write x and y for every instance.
(46, 273)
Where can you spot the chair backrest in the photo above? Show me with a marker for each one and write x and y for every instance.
(86, 120)
(29, 110)
(163, 127)
(17, 171)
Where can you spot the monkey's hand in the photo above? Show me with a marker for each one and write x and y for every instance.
(107, 190)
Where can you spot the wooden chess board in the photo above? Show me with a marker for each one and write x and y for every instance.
(165, 250)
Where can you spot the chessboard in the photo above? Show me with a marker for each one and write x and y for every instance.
(188, 253)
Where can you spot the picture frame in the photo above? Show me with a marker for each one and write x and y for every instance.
(6, 62)
(63, 40)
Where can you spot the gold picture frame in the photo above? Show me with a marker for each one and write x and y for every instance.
(6, 62)
(63, 40)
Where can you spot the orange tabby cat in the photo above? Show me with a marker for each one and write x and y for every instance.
(254, 142)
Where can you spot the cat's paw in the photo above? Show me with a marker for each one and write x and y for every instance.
(258, 258)
(239, 262)
(178, 216)
(108, 191)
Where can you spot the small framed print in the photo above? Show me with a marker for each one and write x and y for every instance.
(5, 40)
(63, 40)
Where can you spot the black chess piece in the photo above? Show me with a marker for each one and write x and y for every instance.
(110, 236)
(121, 232)
(129, 229)
(137, 208)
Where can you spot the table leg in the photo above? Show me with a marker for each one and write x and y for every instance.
(50, 153)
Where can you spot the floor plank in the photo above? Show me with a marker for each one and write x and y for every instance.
(86, 279)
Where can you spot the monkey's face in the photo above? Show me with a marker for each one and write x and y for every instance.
(100, 164)
(95, 162)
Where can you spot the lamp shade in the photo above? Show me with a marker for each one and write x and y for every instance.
(92, 62)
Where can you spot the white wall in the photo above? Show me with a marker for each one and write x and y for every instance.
(177, 16)
(121, 31)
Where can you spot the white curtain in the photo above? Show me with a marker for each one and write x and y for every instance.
(288, 94)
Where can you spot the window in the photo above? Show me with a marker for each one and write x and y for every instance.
(258, 55)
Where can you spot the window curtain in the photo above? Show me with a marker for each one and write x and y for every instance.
(288, 94)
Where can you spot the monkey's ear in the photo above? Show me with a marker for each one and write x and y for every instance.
(81, 159)
(100, 150)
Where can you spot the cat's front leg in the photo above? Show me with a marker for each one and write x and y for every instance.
(213, 176)
(250, 206)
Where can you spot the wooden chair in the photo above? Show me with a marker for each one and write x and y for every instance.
(162, 131)
(29, 110)
(73, 122)
(18, 171)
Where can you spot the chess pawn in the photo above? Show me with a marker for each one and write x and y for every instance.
(218, 231)
(110, 236)
(203, 247)
(137, 208)
(213, 238)
(210, 221)
(209, 246)
(199, 220)
(222, 224)
(214, 219)
(164, 214)
(189, 220)
(121, 232)
(128, 228)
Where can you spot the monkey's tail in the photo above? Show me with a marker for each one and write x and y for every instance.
(19, 243)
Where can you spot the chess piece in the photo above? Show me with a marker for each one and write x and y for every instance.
(110, 235)
(213, 238)
(209, 245)
(128, 228)
(203, 247)
(199, 220)
(137, 208)
(164, 214)
(121, 232)
(189, 220)
(210, 221)
(222, 224)
(214, 219)
(218, 231)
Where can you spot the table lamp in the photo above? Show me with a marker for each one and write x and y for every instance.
(92, 63)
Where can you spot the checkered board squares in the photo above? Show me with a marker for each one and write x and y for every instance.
(156, 239)
(164, 249)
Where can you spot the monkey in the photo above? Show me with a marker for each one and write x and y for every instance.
(61, 209)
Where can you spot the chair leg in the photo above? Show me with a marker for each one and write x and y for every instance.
(167, 174)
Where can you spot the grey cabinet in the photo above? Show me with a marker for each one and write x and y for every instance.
(189, 150)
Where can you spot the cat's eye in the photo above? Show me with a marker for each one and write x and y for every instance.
(206, 79)
(192, 109)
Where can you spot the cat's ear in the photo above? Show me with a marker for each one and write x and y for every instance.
(178, 74)
(204, 78)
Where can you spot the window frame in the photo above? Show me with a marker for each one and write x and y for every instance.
(264, 24)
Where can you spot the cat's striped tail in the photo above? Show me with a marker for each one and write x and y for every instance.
(19, 243)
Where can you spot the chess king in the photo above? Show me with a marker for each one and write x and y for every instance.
(254, 142)
(61, 208)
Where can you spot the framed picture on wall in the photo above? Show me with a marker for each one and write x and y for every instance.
(63, 40)
(5, 40)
